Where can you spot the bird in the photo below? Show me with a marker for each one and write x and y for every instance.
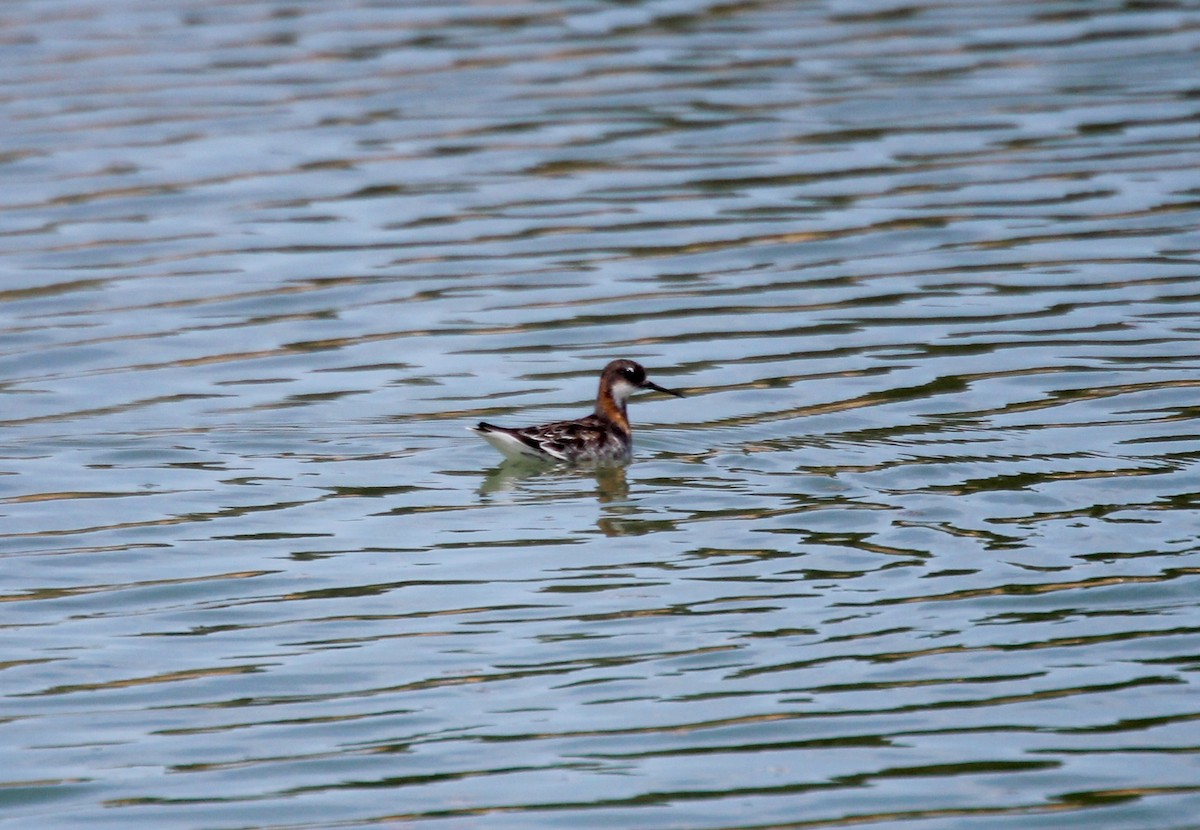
(602, 436)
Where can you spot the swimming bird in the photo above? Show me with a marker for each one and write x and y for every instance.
(604, 435)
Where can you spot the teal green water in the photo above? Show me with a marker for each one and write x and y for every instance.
(919, 550)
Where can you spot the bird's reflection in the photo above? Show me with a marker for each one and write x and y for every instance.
(607, 482)
(515, 476)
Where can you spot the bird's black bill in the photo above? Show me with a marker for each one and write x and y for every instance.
(657, 388)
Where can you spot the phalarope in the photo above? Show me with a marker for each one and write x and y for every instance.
(602, 436)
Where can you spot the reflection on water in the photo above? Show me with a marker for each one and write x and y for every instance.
(518, 475)
(919, 549)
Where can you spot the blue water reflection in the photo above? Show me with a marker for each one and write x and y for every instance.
(919, 549)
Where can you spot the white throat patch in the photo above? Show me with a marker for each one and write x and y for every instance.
(621, 390)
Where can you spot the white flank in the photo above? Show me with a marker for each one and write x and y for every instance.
(512, 447)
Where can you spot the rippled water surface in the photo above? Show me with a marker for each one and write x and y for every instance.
(921, 548)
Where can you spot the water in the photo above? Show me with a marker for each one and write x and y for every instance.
(920, 549)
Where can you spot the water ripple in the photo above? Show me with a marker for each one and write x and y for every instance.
(917, 549)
